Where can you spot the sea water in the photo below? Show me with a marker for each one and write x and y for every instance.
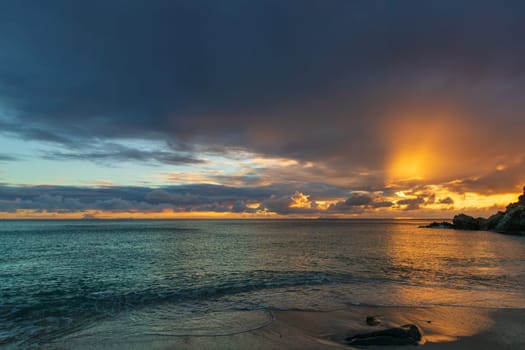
(108, 280)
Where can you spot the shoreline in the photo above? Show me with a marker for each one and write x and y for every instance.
(442, 327)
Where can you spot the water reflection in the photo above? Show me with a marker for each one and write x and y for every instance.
(82, 272)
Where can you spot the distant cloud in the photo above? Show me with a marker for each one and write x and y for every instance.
(360, 201)
(383, 204)
(357, 198)
(296, 203)
(240, 206)
(503, 179)
(119, 198)
(446, 200)
(7, 158)
(411, 203)
(89, 216)
(275, 198)
(108, 153)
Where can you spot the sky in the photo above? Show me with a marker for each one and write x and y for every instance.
(260, 109)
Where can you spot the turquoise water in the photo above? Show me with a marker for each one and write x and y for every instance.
(103, 279)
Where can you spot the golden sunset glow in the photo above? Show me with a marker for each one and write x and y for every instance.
(167, 214)
(414, 159)
(477, 200)
(410, 165)
(425, 149)
(300, 200)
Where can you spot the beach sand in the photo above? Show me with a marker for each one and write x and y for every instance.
(443, 327)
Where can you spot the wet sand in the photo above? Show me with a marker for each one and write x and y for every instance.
(442, 328)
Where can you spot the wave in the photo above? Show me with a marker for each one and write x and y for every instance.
(51, 313)
(65, 309)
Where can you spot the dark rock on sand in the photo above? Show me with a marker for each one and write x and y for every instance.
(407, 334)
(373, 320)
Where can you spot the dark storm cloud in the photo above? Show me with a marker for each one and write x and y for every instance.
(117, 198)
(240, 206)
(411, 203)
(357, 198)
(446, 200)
(316, 191)
(309, 80)
(29, 132)
(7, 158)
(358, 202)
(508, 179)
(382, 204)
(109, 153)
(196, 197)
(282, 204)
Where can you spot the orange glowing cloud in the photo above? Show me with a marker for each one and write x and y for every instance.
(438, 147)
(300, 200)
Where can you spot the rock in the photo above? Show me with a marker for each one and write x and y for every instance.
(511, 221)
(465, 222)
(407, 334)
(436, 224)
(482, 224)
(373, 320)
(494, 220)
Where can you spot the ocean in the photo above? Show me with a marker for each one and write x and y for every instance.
(87, 282)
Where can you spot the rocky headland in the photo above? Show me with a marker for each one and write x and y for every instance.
(510, 221)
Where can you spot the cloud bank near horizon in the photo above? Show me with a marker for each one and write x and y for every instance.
(276, 200)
